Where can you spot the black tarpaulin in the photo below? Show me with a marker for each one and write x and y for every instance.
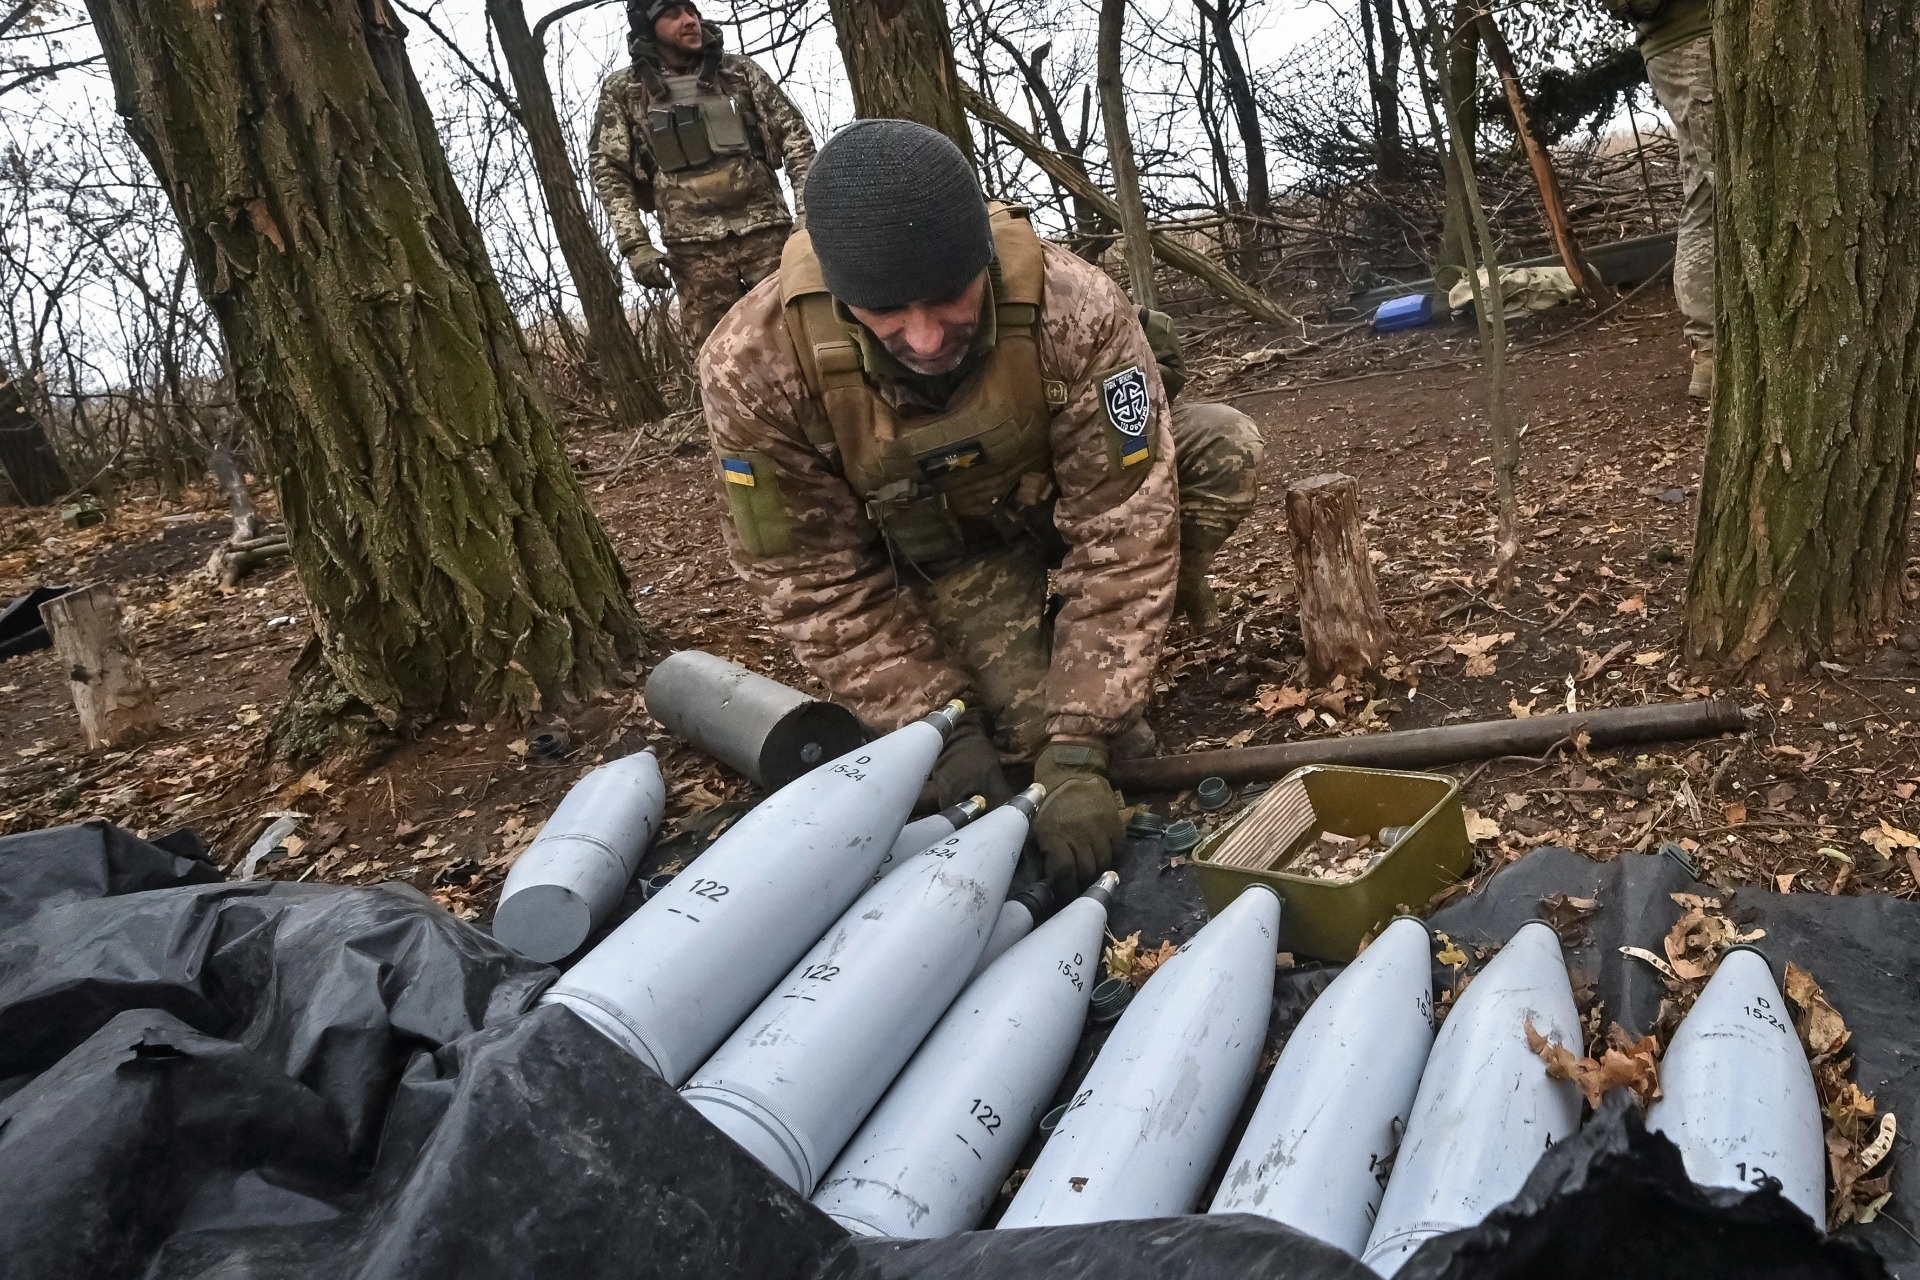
(280, 1081)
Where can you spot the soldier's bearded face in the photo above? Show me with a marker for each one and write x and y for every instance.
(929, 337)
(679, 28)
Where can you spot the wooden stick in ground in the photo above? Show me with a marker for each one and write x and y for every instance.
(1341, 623)
(1126, 177)
(1428, 748)
(1558, 223)
(1176, 255)
(109, 689)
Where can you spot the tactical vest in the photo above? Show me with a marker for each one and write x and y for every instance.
(973, 477)
(691, 123)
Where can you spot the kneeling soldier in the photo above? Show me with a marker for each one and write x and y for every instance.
(923, 414)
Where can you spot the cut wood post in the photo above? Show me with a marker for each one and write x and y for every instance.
(109, 689)
(1341, 622)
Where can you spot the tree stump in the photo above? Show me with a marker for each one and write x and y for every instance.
(109, 689)
(1341, 622)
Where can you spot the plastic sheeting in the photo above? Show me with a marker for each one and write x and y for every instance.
(276, 1081)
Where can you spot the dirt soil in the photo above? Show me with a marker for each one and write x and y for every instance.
(1818, 797)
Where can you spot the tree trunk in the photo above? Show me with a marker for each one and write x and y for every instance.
(1341, 623)
(1809, 476)
(1459, 72)
(899, 56)
(623, 370)
(1393, 152)
(1246, 115)
(27, 458)
(445, 546)
(1135, 229)
(109, 689)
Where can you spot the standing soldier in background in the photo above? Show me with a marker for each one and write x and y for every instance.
(1676, 40)
(693, 134)
(926, 413)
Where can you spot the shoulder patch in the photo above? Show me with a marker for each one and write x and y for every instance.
(737, 471)
(1123, 393)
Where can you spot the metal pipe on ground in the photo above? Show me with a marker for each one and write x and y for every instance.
(1447, 744)
(755, 726)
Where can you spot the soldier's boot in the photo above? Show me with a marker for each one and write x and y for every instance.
(1700, 385)
(1193, 597)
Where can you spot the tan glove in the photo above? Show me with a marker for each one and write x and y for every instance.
(649, 267)
(1078, 827)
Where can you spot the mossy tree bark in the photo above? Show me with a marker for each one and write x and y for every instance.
(446, 549)
(1809, 475)
(899, 56)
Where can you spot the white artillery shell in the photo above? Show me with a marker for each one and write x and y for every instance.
(801, 1073)
(932, 1156)
(1319, 1147)
(1486, 1110)
(1143, 1131)
(1738, 1094)
(678, 975)
(569, 880)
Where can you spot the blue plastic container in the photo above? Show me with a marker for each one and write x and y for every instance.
(1409, 312)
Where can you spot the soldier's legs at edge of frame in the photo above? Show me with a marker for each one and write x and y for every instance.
(991, 617)
(1682, 80)
(1217, 451)
(711, 275)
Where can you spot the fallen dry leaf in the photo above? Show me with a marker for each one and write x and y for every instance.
(1626, 1063)
(1701, 936)
(1632, 604)
(1273, 699)
(1561, 1063)
(1649, 659)
(1127, 960)
(1591, 665)
(1822, 1029)
(1521, 710)
(1886, 839)
(1736, 814)
(1479, 828)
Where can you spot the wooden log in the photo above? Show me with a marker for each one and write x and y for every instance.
(109, 689)
(1448, 744)
(1559, 225)
(1341, 622)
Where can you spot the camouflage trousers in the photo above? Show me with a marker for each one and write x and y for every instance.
(1683, 82)
(991, 613)
(711, 275)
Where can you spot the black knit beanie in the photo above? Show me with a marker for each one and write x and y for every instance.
(896, 215)
(642, 14)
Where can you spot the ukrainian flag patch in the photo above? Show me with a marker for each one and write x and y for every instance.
(737, 471)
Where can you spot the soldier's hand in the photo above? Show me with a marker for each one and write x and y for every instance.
(969, 766)
(1078, 826)
(649, 267)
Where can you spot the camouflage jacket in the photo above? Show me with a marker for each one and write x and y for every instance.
(832, 592)
(730, 196)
